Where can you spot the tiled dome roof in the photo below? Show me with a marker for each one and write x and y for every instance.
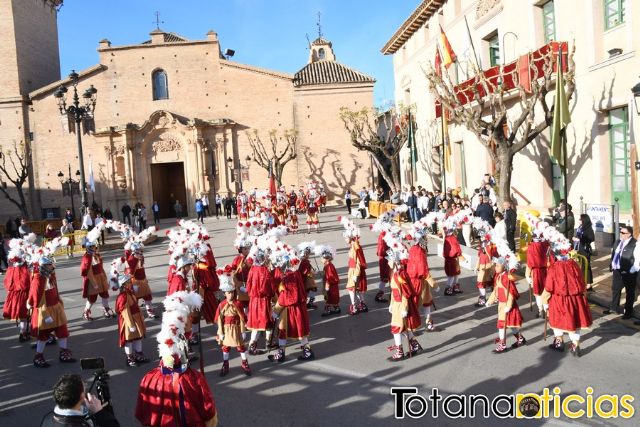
(329, 72)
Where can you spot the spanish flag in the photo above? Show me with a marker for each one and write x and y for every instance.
(448, 55)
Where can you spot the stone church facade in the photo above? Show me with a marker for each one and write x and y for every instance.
(172, 116)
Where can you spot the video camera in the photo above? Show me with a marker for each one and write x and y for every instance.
(100, 377)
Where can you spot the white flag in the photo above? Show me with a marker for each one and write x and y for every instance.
(92, 183)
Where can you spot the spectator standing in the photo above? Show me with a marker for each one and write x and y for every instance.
(218, 205)
(87, 221)
(24, 229)
(205, 205)
(50, 232)
(394, 197)
(500, 229)
(68, 215)
(126, 213)
(367, 200)
(11, 229)
(484, 211)
(582, 243)
(155, 208)
(135, 212)
(347, 201)
(423, 203)
(510, 219)
(142, 217)
(566, 222)
(108, 216)
(3, 254)
(200, 210)
(67, 230)
(412, 204)
(625, 263)
(228, 202)
(177, 208)
(96, 222)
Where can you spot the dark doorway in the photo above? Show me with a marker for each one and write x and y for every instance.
(167, 180)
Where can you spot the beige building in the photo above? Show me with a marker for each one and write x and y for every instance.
(170, 114)
(606, 68)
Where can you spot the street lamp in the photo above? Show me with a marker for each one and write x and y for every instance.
(78, 112)
(69, 184)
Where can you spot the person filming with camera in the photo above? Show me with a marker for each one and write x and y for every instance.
(76, 408)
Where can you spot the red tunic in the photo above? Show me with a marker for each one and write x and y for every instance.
(417, 270)
(451, 251)
(306, 271)
(171, 272)
(52, 305)
(513, 316)
(565, 293)
(383, 264)
(207, 280)
(406, 290)
(163, 392)
(332, 279)
(16, 283)
(537, 260)
(294, 297)
(260, 290)
(96, 269)
(356, 258)
(241, 268)
(135, 267)
(178, 283)
(126, 300)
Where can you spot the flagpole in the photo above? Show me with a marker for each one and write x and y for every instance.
(411, 142)
(563, 141)
(442, 153)
(473, 48)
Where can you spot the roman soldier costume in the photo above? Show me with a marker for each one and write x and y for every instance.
(405, 317)
(231, 322)
(16, 283)
(307, 273)
(293, 219)
(506, 295)
(204, 274)
(451, 252)
(331, 280)
(484, 268)
(174, 394)
(538, 253)
(94, 278)
(418, 272)
(565, 300)
(131, 327)
(356, 275)
(48, 316)
(261, 290)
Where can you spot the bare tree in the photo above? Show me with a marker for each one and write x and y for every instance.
(504, 121)
(268, 155)
(383, 134)
(15, 164)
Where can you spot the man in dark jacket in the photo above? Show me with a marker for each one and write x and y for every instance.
(75, 409)
(126, 213)
(625, 263)
(510, 219)
(485, 211)
(228, 206)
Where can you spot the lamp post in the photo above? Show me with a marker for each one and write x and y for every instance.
(78, 112)
(70, 184)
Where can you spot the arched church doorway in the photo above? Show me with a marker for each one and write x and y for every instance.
(168, 185)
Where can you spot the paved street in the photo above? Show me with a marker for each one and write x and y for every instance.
(348, 383)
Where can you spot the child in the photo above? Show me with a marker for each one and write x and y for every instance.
(506, 294)
(356, 275)
(484, 270)
(537, 261)
(331, 280)
(405, 317)
(131, 327)
(293, 219)
(307, 272)
(16, 283)
(231, 322)
(260, 289)
(418, 271)
(451, 252)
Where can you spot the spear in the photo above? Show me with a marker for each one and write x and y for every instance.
(200, 350)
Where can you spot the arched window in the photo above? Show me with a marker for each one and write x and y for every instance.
(321, 53)
(160, 85)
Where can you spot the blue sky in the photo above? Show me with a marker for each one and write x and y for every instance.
(264, 33)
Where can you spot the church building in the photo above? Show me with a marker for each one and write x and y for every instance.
(173, 117)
